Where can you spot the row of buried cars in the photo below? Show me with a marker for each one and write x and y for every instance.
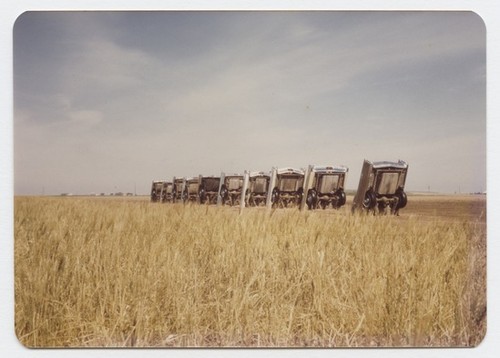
(381, 187)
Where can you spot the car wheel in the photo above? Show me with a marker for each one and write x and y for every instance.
(311, 199)
(202, 195)
(381, 207)
(223, 194)
(341, 198)
(402, 199)
(370, 200)
(300, 195)
(275, 195)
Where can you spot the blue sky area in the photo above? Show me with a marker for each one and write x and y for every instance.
(108, 101)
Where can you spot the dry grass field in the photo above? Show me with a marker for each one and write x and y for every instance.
(115, 272)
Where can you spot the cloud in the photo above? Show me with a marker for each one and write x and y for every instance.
(84, 118)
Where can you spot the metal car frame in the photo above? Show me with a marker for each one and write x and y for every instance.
(178, 190)
(156, 190)
(192, 189)
(288, 187)
(209, 188)
(258, 187)
(166, 193)
(327, 187)
(230, 191)
(381, 185)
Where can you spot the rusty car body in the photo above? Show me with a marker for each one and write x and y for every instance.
(192, 189)
(178, 190)
(381, 185)
(288, 187)
(156, 190)
(230, 191)
(166, 192)
(258, 186)
(327, 187)
(209, 187)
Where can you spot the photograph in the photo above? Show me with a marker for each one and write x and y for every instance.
(249, 179)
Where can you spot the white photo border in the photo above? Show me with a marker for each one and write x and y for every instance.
(489, 11)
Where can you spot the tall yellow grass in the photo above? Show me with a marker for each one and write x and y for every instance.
(101, 272)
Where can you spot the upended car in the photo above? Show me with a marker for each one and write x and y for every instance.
(381, 186)
(178, 190)
(156, 190)
(168, 192)
(208, 189)
(192, 189)
(327, 187)
(288, 187)
(258, 186)
(230, 191)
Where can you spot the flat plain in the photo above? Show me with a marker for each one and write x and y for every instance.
(114, 272)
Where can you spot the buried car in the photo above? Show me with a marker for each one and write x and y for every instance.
(288, 187)
(167, 191)
(156, 190)
(258, 186)
(192, 189)
(178, 190)
(327, 187)
(381, 185)
(208, 189)
(230, 191)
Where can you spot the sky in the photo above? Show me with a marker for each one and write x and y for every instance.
(109, 101)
